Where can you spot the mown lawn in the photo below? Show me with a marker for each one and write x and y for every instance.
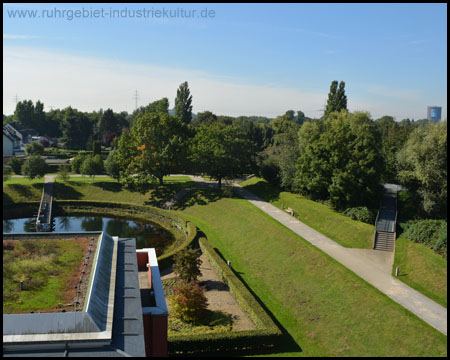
(323, 308)
(102, 188)
(108, 189)
(422, 269)
(22, 189)
(340, 228)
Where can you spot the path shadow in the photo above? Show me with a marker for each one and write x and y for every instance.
(109, 186)
(203, 196)
(63, 192)
(264, 191)
(214, 285)
(23, 190)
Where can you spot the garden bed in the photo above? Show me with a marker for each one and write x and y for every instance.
(53, 274)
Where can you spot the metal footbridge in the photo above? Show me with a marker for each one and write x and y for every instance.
(44, 216)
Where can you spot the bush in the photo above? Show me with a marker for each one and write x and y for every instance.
(34, 148)
(77, 162)
(361, 213)
(6, 172)
(16, 165)
(189, 302)
(187, 264)
(63, 172)
(270, 171)
(34, 166)
(432, 233)
(92, 165)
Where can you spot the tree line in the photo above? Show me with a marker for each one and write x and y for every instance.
(341, 158)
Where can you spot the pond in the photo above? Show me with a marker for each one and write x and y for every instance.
(147, 234)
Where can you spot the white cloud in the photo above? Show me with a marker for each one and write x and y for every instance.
(87, 83)
(19, 37)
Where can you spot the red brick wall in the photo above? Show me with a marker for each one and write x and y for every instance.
(155, 334)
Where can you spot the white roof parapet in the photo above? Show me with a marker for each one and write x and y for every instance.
(160, 299)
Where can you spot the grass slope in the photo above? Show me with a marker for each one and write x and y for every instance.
(324, 309)
(422, 269)
(340, 228)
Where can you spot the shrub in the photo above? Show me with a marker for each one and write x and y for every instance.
(77, 162)
(34, 148)
(189, 302)
(92, 165)
(361, 213)
(432, 233)
(270, 171)
(6, 173)
(187, 264)
(16, 164)
(34, 166)
(63, 172)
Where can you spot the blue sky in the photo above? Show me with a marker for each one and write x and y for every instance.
(243, 59)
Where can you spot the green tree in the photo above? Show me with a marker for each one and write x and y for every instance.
(16, 165)
(63, 172)
(337, 100)
(187, 264)
(34, 148)
(204, 118)
(183, 104)
(96, 148)
(222, 152)
(34, 167)
(156, 147)
(76, 129)
(6, 172)
(76, 163)
(288, 153)
(92, 165)
(423, 167)
(340, 160)
(24, 114)
(112, 167)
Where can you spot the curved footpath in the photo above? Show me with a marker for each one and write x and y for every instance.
(425, 308)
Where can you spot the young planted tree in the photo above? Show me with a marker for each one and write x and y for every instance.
(187, 264)
(34, 167)
(112, 167)
(92, 165)
(96, 148)
(16, 165)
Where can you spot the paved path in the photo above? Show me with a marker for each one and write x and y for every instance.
(367, 267)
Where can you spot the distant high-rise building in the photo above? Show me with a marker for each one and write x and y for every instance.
(434, 113)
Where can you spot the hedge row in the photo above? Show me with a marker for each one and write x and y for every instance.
(361, 213)
(432, 233)
(266, 336)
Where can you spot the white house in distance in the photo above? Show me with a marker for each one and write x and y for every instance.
(8, 143)
(12, 140)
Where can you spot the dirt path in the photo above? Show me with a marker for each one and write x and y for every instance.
(218, 295)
